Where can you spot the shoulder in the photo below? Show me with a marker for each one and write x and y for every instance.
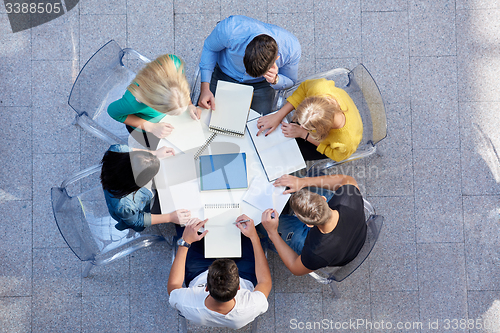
(192, 296)
(251, 299)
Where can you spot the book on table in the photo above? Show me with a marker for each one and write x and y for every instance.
(278, 154)
(223, 172)
(232, 104)
(223, 239)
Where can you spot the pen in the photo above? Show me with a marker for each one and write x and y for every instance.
(242, 221)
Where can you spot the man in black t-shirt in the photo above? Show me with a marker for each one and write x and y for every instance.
(325, 231)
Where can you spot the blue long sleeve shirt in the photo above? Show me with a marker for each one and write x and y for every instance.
(227, 43)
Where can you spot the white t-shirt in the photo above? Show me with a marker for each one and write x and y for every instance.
(191, 304)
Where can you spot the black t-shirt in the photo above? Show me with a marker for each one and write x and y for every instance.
(343, 243)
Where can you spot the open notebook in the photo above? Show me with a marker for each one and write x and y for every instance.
(187, 133)
(223, 239)
(278, 154)
(232, 103)
(263, 195)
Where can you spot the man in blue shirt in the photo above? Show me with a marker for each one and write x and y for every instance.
(244, 50)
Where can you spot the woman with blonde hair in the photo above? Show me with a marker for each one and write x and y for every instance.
(158, 89)
(325, 118)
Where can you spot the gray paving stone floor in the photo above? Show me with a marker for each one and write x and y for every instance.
(436, 179)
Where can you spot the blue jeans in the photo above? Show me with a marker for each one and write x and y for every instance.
(263, 93)
(292, 230)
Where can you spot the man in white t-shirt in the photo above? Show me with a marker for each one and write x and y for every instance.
(219, 296)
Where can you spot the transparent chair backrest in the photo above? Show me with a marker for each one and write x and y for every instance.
(102, 81)
(86, 225)
(374, 225)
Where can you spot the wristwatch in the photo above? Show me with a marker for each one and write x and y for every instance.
(182, 242)
(276, 79)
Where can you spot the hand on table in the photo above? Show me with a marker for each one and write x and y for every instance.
(194, 112)
(190, 234)
(180, 216)
(163, 152)
(269, 122)
(293, 130)
(160, 130)
(247, 228)
(270, 220)
(293, 183)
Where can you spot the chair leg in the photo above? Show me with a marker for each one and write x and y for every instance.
(335, 289)
(255, 324)
(182, 324)
(87, 269)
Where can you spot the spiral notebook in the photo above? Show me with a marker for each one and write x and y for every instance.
(232, 104)
(223, 239)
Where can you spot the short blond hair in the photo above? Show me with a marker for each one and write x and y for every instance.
(162, 86)
(315, 114)
(310, 207)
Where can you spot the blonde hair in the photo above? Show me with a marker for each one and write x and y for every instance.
(310, 207)
(315, 114)
(162, 86)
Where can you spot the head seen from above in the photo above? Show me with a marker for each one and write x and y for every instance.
(162, 85)
(316, 114)
(310, 208)
(223, 280)
(125, 173)
(260, 55)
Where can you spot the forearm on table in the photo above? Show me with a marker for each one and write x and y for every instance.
(137, 122)
(177, 271)
(161, 218)
(330, 182)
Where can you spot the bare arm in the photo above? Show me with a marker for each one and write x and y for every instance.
(272, 121)
(160, 130)
(177, 271)
(262, 272)
(330, 182)
(291, 259)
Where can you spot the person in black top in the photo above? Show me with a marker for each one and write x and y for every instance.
(328, 229)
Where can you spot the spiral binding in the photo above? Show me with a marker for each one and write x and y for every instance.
(225, 131)
(222, 206)
(205, 145)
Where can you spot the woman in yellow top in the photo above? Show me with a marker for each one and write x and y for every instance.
(326, 118)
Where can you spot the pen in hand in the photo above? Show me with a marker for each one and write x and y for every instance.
(242, 221)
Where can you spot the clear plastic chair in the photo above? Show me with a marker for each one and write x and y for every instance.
(101, 81)
(363, 90)
(87, 227)
(330, 275)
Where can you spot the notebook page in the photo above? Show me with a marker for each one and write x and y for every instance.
(187, 133)
(223, 239)
(232, 103)
(263, 195)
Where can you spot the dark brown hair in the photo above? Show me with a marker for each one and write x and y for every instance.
(260, 55)
(223, 280)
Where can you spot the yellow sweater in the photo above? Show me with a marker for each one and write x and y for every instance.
(341, 142)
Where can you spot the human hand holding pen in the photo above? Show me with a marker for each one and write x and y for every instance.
(246, 226)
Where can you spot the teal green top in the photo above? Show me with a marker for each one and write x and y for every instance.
(120, 109)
